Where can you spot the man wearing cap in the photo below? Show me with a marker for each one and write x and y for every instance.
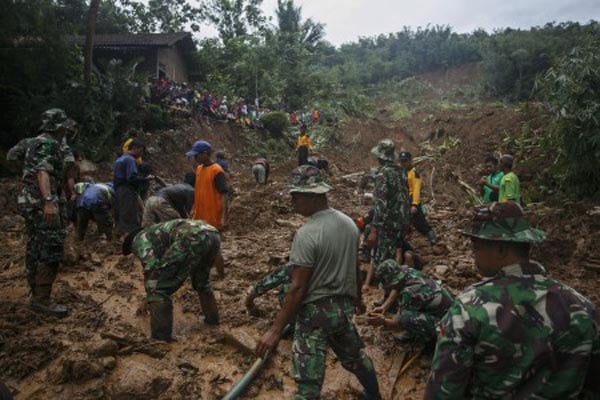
(95, 201)
(42, 207)
(323, 293)
(170, 252)
(390, 203)
(211, 186)
(417, 216)
(418, 301)
(518, 333)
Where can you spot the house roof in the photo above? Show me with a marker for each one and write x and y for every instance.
(116, 40)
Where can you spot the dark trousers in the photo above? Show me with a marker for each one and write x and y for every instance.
(101, 215)
(128, 214)
(420, 222)
(302, 155)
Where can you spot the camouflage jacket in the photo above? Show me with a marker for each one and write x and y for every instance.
(516, 335)
(280, 277)
(417, 291)
(171, 243)
(41, 153)
(390, 199)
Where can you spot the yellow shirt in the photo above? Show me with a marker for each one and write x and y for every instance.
(414, 186)
(304, 140)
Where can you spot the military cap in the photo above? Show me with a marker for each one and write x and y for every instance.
(55, 119)
(308, 179)
(390, 273)
(385, 150)
(504, 222)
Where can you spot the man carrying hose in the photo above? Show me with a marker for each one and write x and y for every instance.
(324, 292)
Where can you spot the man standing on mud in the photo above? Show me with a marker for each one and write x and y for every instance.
(390, 203)
(517, 334)
(324, 292)
(40, 204)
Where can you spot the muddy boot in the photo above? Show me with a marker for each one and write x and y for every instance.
(40, 302)
(209, 308)
(432, 238)
(161, 320)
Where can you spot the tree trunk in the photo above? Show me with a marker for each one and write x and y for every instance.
(89, 41)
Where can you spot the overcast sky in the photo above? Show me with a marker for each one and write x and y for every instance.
(347, 20)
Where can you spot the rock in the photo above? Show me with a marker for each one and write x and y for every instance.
(138, 378)
(95, 258)
(441, 269)
(106, 348)
(109, 363)
(74, 368)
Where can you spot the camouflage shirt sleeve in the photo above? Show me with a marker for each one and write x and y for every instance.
(17, 152)
(44, 156)
(415, 297)
(380, 203)
(272, 280)
(454, 354)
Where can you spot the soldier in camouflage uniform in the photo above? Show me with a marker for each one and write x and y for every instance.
(323, 293)
(420, 302)
(390, 203)
(42, 207)
(170, 252)
(518, 333)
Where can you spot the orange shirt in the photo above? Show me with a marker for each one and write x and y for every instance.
(208, 202)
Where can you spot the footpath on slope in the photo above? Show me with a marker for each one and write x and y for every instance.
(102, 350)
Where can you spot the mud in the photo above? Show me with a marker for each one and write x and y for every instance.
(102, 351)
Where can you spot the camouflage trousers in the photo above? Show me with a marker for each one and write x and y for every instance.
(420, 326)
(161, 283)
(328, 323)
(45, 246)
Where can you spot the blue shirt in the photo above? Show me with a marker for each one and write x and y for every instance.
(223, 164)
(96, 196)
(125, 171)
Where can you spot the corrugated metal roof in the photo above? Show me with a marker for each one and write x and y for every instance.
(139, 40)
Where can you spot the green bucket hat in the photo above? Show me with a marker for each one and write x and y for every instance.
(55, 119)
(385, 150)
(504, 222)
(308, 179)
(389, 273)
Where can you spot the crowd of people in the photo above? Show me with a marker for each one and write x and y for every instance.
(516, 334)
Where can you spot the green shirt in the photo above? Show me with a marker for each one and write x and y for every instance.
(328, 243)
(510, 188)
(493, 179)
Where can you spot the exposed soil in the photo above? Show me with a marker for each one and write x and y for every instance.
(102, 350)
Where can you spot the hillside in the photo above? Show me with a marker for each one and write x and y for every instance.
(102, 350)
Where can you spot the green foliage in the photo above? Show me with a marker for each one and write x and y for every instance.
(235, 18)
(276, 123)
(571, 89)
(155, 118)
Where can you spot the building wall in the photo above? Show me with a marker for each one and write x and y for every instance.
(172, 63)
(145, 57)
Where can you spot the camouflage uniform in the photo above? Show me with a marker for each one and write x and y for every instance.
(421, 301)
(518, 334)
(279, 277)
(170, 251)
(45, 243)
(390, 202)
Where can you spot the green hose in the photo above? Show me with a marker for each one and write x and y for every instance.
(239, 388)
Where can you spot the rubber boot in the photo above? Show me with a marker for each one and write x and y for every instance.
(432, 238)
(161, 320)
(209, 308)
(40, 302)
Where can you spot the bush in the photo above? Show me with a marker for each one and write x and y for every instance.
(155, 118)
(571, 90)
(276, 123)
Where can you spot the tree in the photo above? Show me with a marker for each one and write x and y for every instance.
(235, 18)
(89, 41)
(162, 15)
